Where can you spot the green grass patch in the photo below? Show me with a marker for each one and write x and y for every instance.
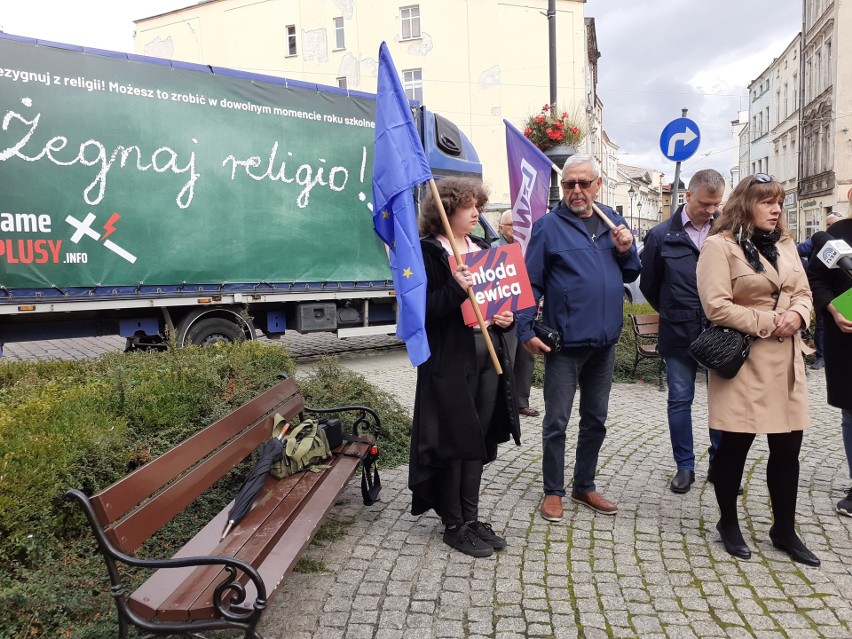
(309, 565)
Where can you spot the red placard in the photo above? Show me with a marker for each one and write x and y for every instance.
(500, 282)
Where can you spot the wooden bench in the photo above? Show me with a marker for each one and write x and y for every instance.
(213, 583)
(646, 329)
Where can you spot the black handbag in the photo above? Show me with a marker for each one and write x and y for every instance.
(721, 349)
(550, 336)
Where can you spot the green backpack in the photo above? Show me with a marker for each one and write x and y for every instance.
(305, 447)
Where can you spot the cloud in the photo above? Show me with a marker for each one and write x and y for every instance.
(660, 56)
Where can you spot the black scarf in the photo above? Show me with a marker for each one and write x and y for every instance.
(763, 242)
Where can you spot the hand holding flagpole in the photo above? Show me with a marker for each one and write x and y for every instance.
(448, 231)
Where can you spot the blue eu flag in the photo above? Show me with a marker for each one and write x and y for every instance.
(399, 164)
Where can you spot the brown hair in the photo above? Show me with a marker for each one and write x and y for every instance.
(455, 193)
(738, 212)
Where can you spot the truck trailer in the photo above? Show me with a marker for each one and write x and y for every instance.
(170, 202)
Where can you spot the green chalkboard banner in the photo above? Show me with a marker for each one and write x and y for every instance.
(118, 170)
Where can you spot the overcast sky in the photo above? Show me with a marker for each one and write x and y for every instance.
(661, 56)
(658, 57)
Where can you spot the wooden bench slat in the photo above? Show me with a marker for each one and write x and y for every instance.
(118, 499)
(259, 539)
(133, 531)
(187, 598)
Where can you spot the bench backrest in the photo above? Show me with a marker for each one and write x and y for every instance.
(137, 506)
(646, 325)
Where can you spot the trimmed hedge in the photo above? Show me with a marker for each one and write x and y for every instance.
(84, 425)
(646, 372)
(333, 385)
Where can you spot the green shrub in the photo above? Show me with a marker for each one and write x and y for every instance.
(84, 425)
(624, 350)
(332, 385)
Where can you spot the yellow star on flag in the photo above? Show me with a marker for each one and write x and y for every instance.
(386, 214)
(407, 273)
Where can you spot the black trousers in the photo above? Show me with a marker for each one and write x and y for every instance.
(782, 476)
(462, 478)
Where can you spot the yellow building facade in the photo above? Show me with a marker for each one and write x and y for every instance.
(475, 62)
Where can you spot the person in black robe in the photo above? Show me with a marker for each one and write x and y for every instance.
(462, 408)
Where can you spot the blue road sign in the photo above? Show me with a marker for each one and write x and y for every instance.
(680, 139)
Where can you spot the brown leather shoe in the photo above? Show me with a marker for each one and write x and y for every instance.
(529, 412)
(596, 502)
(551, 508)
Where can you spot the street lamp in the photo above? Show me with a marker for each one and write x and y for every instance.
(639, 214)
(631, 193)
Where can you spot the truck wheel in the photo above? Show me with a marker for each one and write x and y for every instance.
(214, 330)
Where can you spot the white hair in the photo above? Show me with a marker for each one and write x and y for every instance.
(582, 158)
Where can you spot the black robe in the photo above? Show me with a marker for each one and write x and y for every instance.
(446, 426)
(826, 284)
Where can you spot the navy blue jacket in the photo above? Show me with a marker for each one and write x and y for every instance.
(581, 278)
(668, 283)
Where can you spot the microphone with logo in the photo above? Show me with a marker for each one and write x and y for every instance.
(836, 254)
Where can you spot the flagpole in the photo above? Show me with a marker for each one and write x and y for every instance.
(595, 208)
(448, 231)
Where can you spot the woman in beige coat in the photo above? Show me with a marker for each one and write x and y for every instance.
(750, 278)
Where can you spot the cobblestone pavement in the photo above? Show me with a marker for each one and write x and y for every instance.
(656, 569)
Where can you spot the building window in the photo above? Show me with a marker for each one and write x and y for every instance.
(341, 83)
(412, 82)
(291, 39)
(339, 34)
(828, 79)
(795, 91)
(809, 80)
(409, 18)
(778, 106)
(818, 74)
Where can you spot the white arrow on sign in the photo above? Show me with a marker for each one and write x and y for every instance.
(686, 137)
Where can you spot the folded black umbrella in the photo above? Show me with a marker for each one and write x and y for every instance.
(270, 452)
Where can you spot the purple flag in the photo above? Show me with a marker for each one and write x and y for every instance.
(529, 183)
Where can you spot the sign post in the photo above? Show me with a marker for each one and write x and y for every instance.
(678, 142)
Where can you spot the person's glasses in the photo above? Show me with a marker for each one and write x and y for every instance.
(570, 184)
(760, 178)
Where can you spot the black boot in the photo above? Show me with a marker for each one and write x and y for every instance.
(795, 547)
(782, 479)
(728, 473)
(733, 540)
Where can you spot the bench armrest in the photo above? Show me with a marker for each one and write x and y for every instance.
(366, 419)
(233, 566)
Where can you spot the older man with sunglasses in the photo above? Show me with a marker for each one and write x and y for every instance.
(578, 264)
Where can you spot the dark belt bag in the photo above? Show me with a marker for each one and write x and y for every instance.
(333, 432)
(550, 336)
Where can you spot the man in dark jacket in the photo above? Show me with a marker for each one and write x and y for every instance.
(827, 285)
(579, 264)
(668, 283)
